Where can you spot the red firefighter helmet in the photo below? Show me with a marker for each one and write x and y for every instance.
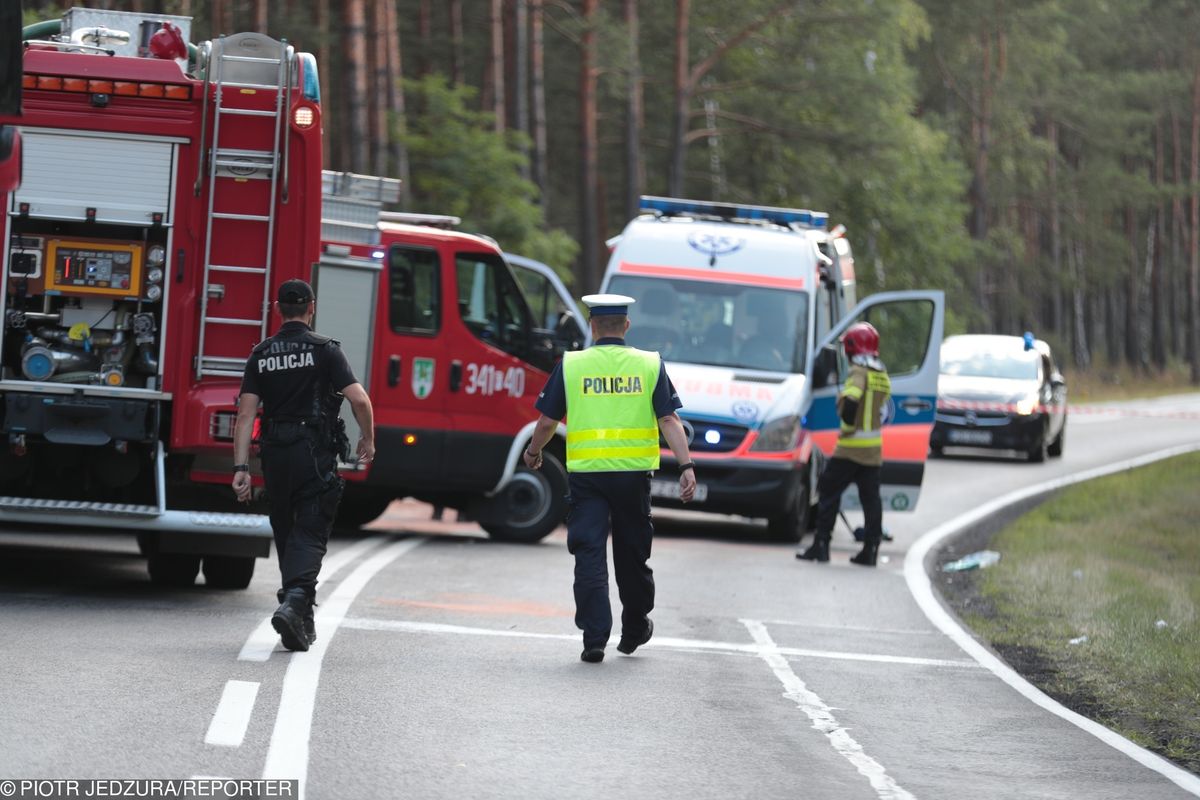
(861, 339)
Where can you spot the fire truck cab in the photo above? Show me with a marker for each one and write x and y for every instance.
(167, 188)
(453, 344)
(746, 304)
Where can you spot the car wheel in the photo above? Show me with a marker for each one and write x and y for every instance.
(531, 506)
(1056, 447)
(175, 570)
(228, 572)
(792, 524)
(1037, 453)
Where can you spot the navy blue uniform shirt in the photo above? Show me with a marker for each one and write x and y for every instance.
(553, 400)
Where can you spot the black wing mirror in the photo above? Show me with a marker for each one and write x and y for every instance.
(825, 367)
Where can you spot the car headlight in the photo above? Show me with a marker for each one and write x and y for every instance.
(1028, 405)
(778, 435)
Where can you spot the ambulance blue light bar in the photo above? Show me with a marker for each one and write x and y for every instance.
(779, 216)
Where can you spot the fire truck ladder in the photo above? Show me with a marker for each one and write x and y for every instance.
(273, 61)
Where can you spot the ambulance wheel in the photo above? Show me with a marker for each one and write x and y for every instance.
(532, 505)
(176, 570)
(792, 524)
(228, 572)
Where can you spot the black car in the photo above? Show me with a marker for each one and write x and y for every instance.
(1000, 392)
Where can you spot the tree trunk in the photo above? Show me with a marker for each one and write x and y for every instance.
(354, 33)
(1158, 345)
(635, 177)
(395, 102)
(457, 68)
(496, 65)
(260, 15)
(1133, 290)
(1055, 232)
(1177, 234)
(538, 80)
(324, 68)
(220, 15)
(588, 149)
(1193, 340)
(680, 123)
(380, 80)
(520, 89)
(982, 129)
(425, 33)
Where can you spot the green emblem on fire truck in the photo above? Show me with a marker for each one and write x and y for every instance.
(422, 379)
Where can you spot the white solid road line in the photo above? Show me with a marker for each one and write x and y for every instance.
(822, 716)
(661, 642)
(263, 640)
(287, 756)
(229, 723)
(922, 591)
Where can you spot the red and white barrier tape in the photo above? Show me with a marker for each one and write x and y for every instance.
(1116, 411)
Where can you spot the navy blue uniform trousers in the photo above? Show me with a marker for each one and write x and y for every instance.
(303, 490)
(620, 502)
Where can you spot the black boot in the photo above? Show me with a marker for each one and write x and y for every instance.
(310, 624)
(288, 620)
(867, 556)
(819, 551)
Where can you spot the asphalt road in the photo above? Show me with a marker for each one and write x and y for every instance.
(448, 666)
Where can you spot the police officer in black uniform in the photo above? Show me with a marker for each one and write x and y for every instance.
(301, 378)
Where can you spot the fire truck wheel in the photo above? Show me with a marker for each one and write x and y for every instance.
(532, 504)
(173, 569)
(228, 572)
(357, 509)
(792, 524)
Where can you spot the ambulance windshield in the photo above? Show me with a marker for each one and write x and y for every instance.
(720, 324)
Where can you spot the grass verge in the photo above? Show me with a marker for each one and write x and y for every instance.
(1104, 383)
(1106, 560)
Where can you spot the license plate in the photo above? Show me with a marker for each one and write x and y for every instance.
(969, 437)
(670, 489)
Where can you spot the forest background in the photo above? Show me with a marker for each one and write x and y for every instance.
(1039, 160)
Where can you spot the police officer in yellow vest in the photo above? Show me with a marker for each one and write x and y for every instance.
(616, 400)
(859, 453)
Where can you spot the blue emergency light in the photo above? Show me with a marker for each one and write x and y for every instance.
(729, 211)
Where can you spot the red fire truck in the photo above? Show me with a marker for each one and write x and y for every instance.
(166, 188)
(10, 94)
(454, 342)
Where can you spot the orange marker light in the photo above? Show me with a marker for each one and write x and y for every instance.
(75, 84)
(29, 82)
(49, 82)
(151, 90)
(100, 87)
(125, 88)
(179, 92)
(410, 438)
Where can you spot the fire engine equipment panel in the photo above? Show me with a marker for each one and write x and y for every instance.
(94, 268)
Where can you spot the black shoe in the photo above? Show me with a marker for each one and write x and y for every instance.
(628, 644)
(288, 620)
(592, 655)
(867, 556)
(819, 551)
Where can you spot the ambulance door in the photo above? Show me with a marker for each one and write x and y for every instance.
(496, 369)
(910, 335)
(410, 356)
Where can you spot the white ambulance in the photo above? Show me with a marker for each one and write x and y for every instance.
(746, 305)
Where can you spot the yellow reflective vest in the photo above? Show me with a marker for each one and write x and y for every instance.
(862, 442)
(611, 425)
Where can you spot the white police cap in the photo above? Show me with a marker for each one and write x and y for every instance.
(600, 305)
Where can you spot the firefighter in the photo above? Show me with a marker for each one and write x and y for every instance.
(301, 378)
(616, 399)
(859, 453)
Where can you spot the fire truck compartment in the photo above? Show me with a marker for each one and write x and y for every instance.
(80, 420)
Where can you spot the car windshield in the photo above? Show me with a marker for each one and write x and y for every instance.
(969, 359)
(721, 324)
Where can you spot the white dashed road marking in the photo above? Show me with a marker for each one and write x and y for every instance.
(822, 716)
(228, 726)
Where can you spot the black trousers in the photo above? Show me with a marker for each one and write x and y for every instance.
(620, 502)
(303, 491)
(838, 474)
